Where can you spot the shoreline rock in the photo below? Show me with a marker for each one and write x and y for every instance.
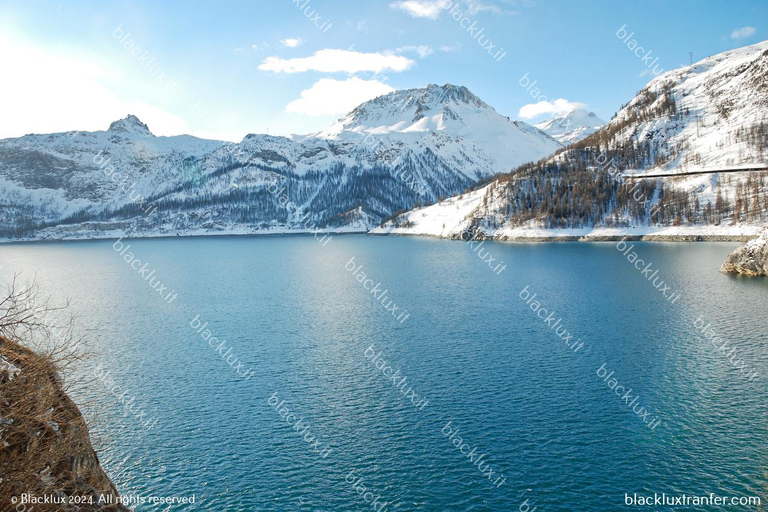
(45, 448)
(750, 259)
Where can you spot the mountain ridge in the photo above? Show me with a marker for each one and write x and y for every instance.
(101, 184)
(709, 115)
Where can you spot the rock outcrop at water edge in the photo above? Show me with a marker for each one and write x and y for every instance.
(751, 259)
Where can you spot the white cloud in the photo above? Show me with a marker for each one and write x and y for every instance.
(421, 50)
(557, 107)
(362, 26)
(333, 97)
(743, 32)
(291, 42)
(53, 92)
(420, 8)
(334, 61)
(452, 48)
(432, 8)
(476, 7)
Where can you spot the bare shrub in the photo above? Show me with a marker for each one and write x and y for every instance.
(45, 448)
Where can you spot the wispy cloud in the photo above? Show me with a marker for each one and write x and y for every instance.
(556, 107)
(421, 50)
(336, 61)
(291, 42)
(420, 8)
(333, 97)
(476, 7)
(451, 48)
(431, 9)
(743, 33)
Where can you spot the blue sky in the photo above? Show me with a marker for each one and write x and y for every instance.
(225, 69)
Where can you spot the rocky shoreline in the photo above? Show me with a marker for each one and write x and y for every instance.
(598, 238)
(750, 259)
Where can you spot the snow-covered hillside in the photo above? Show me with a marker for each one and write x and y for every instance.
(708, 117)
(447, 219)
(571, 127)
(387, 155)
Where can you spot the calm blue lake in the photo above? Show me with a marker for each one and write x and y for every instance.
(305, 340)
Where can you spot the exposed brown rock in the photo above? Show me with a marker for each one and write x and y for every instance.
(45, 449)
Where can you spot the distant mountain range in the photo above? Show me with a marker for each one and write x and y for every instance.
(409, 149)
(571, 127)
(388, 155)
(702, 122)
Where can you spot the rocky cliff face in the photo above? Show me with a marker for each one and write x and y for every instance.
(751, 259)
(45, 449)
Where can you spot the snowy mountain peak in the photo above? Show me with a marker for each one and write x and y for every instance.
(448, 93)
(130, 124)
(434, 107)
(571, 127)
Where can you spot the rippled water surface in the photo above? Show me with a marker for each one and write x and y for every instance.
(290, 310)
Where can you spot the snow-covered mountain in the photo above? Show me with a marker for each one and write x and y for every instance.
(707, 122)
(448, 120)
(46, 179)
(572, 126)
(391, 153)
